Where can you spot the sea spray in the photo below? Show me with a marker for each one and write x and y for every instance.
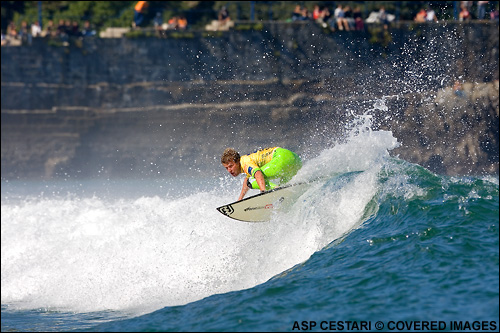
(139, 254)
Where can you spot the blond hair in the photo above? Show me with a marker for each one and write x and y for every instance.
(230, 155)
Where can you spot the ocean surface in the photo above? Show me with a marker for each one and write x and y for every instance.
(392, 248)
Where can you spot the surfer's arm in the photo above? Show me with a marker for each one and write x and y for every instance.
(244, 189)
(259, 177)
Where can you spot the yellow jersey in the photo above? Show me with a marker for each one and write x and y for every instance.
(252, 163)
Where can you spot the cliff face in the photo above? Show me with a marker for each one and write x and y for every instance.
(150, 107)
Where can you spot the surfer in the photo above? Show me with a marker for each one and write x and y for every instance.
(261, 166)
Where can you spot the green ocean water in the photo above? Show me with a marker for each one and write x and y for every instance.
(428, 256)
(391, 247)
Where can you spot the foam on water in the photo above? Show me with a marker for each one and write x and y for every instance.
(140, 254)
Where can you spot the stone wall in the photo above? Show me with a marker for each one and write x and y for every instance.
(153, 107)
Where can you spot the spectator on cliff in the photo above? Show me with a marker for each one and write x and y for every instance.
(325, 13)
(158, 23)
(340, 20)
(431, 15)
(223, 19)
(36, 29)
(458, 89)
(25, 33)
(75, 29)
(64, 30)
(68, 25)
(223, 16)
(61, 28)
(494, 15)
(297, 13)
(87, 30)
(383, 17)
(466, 4)
(464, 14)
(349, 17)
(321, 14)
(139, 13)
(182, 23)
(173, 23)
(12, 31)
(50, 30)
(358, 19)
(316, 12)
(158, 20)
(481, 9)
(305, 15)
(421, 16)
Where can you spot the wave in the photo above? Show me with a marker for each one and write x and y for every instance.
(97, 253)
(419, 239)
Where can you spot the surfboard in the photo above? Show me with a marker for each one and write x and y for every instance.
(260, 207)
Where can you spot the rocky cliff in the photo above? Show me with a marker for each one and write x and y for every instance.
(151, 107)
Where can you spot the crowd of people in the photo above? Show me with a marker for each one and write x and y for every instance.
(481, 11)
(173, 23)
(428, 14)
(342, 18)
(178, 22)
(64, 30)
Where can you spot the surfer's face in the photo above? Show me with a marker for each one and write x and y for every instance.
(233, 168)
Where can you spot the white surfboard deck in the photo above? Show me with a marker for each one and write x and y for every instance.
(260, 207)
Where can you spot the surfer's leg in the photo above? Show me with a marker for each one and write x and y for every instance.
(284, 165)
(252, 183)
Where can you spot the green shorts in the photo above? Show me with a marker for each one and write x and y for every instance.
(283, 166)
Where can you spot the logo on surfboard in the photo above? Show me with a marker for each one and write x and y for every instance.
(226, 210)
(268, 206)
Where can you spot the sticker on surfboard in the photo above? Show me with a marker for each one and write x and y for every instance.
(259, 208)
